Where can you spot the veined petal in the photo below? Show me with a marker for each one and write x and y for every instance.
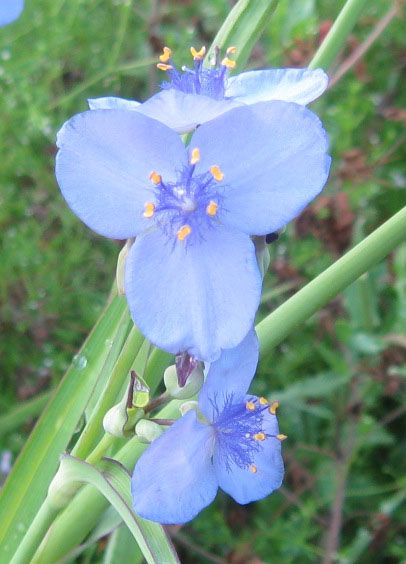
(103, 165)
(10, 10)
(184, 112)
(230, 375)
(263, 476)
(290, 85)
(112, 103)
(274, 159)
(199, 297)
(174, 478)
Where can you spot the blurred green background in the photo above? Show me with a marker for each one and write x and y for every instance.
(340, 378)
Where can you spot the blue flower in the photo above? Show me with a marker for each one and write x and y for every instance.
(193, 96)
(192, 280)
(10, 10)
(234, 444)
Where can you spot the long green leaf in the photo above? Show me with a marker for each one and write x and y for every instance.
(115, 484)
(27, 484)
(243, 27)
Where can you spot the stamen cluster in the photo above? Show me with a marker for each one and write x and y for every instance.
(239, 429)
(191, 202)
(198, 80)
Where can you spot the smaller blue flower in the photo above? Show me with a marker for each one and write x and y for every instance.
(10, 10)
(234, 444)
(192, 96)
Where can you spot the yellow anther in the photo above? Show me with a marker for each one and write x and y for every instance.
(217, 173)
(184, 232)
(195, 158)
(274, 407)
(250, 405)
(263, 401)
(155, 178)
(281, 437)
(212, 208)
(231, 50)
(164, 66)
(252, 468)
(260, 436)
(198, 55)
(149, 209)
(229, 63)
(166, 55)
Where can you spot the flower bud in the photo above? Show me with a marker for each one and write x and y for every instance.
(121, 266)
(115, 420)
(120, 419)
(192, 386)
(147, 431)
(262, 253)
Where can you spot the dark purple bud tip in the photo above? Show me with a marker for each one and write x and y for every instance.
(185, 364)
(271, 237)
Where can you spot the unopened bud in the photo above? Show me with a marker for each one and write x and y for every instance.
(120, 270)
(120, 419)
(262, 253)
(191, 387)
(147, 431)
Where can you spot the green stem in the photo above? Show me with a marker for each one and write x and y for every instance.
(275, 327)
(83, 513)
(101, 448)
(38, 528)
(337, 36)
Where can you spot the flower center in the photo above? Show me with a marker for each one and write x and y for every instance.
(188, 205)
(239, 432)
(198, 80)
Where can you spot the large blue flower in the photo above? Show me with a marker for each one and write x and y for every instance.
(10, 10)
(234, 444)
(193, 96)
(192, 279)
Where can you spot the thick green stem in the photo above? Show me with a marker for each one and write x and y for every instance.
(337, 36)
(276, 326)
(38, 528)
(82, 514)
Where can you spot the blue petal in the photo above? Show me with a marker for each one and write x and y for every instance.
(112, 103)
(230, 375)
(174, 478)
(200, 297)
(274, 160)
(290, 85)
(242, 484)
(10, 10)
(103, 165)
(184, 112)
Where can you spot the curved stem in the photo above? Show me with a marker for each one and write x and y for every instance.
(338, 34)
(275, 327)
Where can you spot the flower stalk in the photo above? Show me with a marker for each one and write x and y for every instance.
(279, 324)
(337, 36)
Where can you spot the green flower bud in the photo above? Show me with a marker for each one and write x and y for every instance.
(262, 253)
(147, 431)
(190, 389)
